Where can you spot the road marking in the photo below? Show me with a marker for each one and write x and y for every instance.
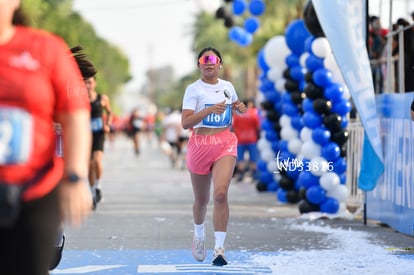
(204, 268)
(85, 269)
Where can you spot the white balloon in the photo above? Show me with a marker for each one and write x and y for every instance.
(329, 181)
(302, 59)
(272, 166)
(280, 85)
(295, 146)
(340, 192)
(284, 121)
(306, 134)
(275, 52)
(277, 177)
(347, 93)
(263, 144)
(330, 63)
(267, 155)
(320, 47)
(318, 166)
(288, 133)
(209, 6)
(274, 74)
(310, 149)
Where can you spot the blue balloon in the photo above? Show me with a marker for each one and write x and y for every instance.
(261, 61)
(273, 186)
(316, 194)
(297, 73)
(251, 24)
(342, 107)
(321, 135)
(235, 33)
(306, 179)
(331, 151)
(322, 77)
(283, 145)
(275, 145)
(296, 122)
(334, 92)
(330, 206)
(271, 135)
(307, 105)
(344, 122)
(296, 33)
(292, 60)
(281, 195)
(257, 7)
(339, 166)
(290, 109)
(246, 39)
(267, 125)
(239, 6)
(313, 62)
(261, 165)
(294, 172)
(342, 178)
(308, 44)
(266, 177)
(312, 120)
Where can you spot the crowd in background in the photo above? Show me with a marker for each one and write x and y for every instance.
(378, 39)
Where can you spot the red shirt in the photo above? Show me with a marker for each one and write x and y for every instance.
(246, 126)
(39, 76)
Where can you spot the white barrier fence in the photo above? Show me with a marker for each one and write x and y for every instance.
(353, 157)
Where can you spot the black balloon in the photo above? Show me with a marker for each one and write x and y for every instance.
(312, 21)
(267, 105)
(306, 207)
(322, 106)
(340, 137)
(292, 196)
(286, 73)
(261, 187)
(286, 183)
(297, 97)
(291, 85)
(272, 115)
(343, 151)
(276, 126)
(228, 22)
(309, 77)
(220, 13)
(333, 122)
(312, 91)
(302, 193)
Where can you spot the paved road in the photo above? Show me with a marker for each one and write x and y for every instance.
(145, 223)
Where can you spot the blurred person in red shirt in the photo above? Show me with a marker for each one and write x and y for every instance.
(40, 83)
(247, 127)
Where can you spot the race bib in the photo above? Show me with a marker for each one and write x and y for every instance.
(218, 120)
(96, 124)
(16, 135)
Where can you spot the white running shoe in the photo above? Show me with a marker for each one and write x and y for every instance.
(218, 257)
(199, 249)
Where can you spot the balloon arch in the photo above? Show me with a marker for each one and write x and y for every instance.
(307, 107)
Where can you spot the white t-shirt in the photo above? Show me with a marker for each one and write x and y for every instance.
(172, 126)
(200, 95)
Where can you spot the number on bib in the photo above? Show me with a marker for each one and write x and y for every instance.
(218, 120)
(16, 135)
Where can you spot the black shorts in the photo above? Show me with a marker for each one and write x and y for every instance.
(28, 247)
(98, 140)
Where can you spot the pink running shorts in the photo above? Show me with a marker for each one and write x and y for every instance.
(204, 150)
